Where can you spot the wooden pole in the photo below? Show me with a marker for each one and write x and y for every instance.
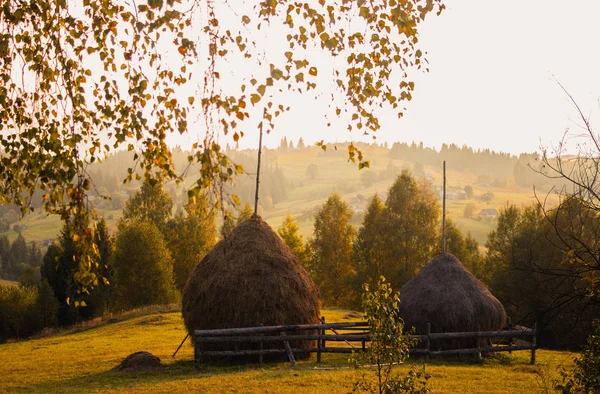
(323, 333)
(288, 349)
(534, 343)
(182, 342)
(319, 332)
(428, 341)
(258, 169)
(509, 338)
(260, 356)
(444, 211)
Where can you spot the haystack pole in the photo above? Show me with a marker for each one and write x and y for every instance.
(443, 211)
(258, 169)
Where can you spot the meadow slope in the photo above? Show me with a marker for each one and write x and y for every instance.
(82, 361)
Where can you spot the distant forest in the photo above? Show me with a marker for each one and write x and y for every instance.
(490, 167)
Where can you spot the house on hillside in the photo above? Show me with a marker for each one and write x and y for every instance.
(488, 214)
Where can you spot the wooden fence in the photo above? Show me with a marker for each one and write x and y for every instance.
(354, 335)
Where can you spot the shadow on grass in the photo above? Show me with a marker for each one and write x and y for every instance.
(111, 380)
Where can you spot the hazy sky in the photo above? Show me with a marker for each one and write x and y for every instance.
(491, 82)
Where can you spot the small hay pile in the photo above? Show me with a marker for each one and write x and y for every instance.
(248, 279)
(139, 361)
(449, 297)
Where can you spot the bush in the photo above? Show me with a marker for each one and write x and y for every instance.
(585, 378)
(18, 312)
(389, 346)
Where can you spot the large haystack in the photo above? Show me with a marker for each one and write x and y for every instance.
(250, 278)
(449, 297)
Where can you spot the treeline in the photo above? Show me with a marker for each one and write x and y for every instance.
(146, 262)
(535, 263)
(20, 260)
(478, 162)
(398, 235)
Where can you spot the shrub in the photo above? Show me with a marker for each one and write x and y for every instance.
(389, 346)
(585, 377)
(19, 316)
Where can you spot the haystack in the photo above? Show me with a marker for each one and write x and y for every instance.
(248, 279)
(446, 295)
(139, 361)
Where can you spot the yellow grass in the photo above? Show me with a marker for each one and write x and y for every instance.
(82, 362)
(8, 283)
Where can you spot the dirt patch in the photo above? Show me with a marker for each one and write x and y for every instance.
(354, 315)
(139, 361)
(153, 321)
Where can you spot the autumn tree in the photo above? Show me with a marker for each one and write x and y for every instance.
(143, 267)
(83, 80)
(290, 233)
(469, 191)
(466, 249)
(18, 257)
(150, 203)
(190, 237)
(59, 270)
(534, 275)
(369, 250)
(331, 247)
(469, 210)
(411, 227)
(229, 222)
(312, 171)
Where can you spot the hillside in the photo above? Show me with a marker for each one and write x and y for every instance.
(286, 185)
(82, 362)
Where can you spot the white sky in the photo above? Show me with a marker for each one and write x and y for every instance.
(491, 80)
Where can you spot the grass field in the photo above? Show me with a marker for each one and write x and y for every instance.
(8, 283)
(81, 361)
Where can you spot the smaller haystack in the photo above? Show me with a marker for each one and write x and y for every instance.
(248, 279)
(446, 295)
(139, 361)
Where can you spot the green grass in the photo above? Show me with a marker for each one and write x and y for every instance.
(81, 361)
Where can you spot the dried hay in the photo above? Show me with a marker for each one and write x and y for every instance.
(449, 297)
(249, 279)
(139, 361)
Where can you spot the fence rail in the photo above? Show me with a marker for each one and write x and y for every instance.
(357, 339)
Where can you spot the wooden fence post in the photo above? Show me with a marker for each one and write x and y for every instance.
(534, 343)
(427, 341)
(260, 356)
(510, 342)
(288, 349)
(319, 332)
(197, 356)
(479, 355)
(323, 345)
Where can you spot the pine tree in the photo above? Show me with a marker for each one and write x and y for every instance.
(18, 257)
